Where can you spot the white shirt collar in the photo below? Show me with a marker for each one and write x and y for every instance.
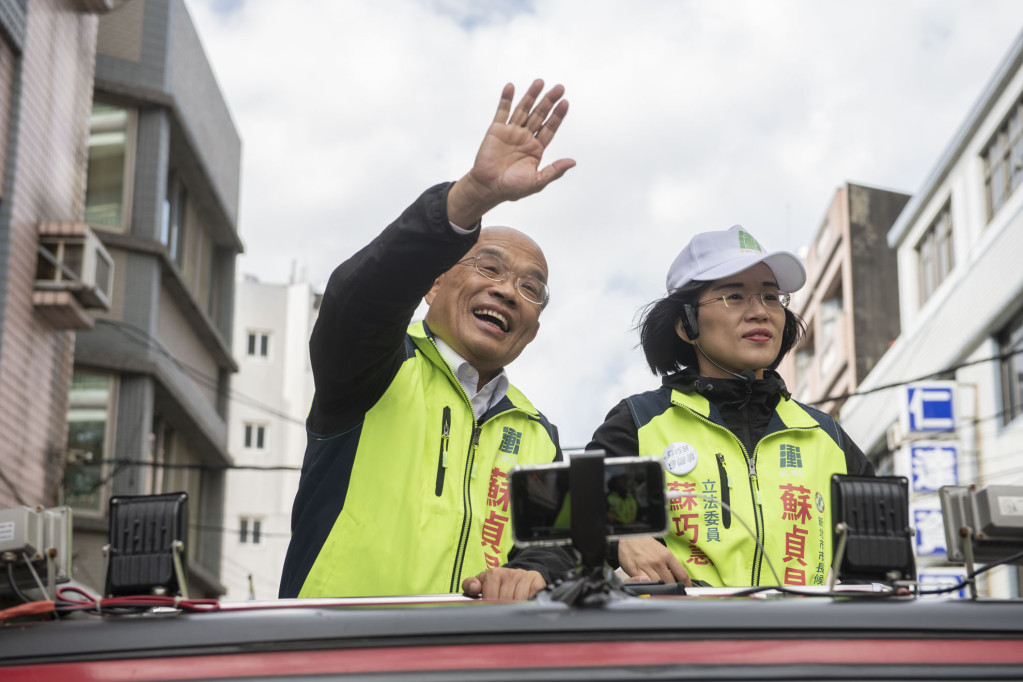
(468, 376)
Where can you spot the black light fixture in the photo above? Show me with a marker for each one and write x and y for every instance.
(873, 538)
(147, 543)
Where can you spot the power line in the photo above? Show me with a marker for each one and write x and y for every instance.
(140, 336)
(144, 338)
(947, 370)
(121, 462)
(232, 531)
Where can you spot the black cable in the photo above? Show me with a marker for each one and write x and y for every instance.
(200, 467)
(897, 384)
(971, 576)
(143, 337)
(851, 594)
(14, 585)
(843, 594)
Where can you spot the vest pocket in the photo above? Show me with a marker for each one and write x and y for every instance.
(726, 498)
(442, 458)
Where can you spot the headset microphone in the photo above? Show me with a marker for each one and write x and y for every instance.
(692, 330)
(747, 375)
(689, 322)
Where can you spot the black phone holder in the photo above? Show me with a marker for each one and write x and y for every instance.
(591, 583)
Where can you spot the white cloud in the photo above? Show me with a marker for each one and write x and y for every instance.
(685, 116)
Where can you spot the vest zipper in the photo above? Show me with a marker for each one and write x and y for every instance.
(758, 518)
(467, 475)
(463, 537)
(726, 498)
(754, 488)
(442, 458)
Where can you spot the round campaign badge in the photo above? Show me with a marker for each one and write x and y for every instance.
(820, 503)
(679, 458)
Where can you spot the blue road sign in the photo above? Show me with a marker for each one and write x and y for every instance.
(930, 407)
(933, 465)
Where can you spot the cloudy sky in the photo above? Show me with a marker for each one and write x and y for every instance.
(685, 116)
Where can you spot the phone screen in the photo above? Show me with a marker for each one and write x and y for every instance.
(634, 493)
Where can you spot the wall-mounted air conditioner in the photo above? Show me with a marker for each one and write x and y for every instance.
(72, 258)
(96, 6)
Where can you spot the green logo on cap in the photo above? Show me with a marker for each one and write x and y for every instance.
(746, 241)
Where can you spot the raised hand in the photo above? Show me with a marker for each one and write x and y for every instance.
(507, 165)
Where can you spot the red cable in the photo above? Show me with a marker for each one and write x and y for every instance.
(32, 608)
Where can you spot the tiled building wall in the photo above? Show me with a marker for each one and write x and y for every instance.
(44, 180)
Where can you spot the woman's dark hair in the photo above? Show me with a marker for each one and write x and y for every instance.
(666, 352)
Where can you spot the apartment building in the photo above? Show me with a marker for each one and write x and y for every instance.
(47, 50)
(270, 399)
(848, 303)
(958, 245)
(148, 402)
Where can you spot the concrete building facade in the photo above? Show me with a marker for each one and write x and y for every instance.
(47, 50)
(851, 313)
(270, 398)
(958, 245)
(148, 403)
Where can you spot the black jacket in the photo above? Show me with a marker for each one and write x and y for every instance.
(357, 347)
(745, 407)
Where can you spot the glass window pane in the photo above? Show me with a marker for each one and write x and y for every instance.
(178, 225)
(1012, 369)
(104, 193)
(88, 413)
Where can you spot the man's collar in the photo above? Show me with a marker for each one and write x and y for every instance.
(463, 370)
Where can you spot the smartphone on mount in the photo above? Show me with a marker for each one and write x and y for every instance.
(634, 490)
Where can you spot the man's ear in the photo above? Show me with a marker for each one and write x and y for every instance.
(681, 331)
(433, 291)
(536, 328)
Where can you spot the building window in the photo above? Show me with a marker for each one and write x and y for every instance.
(1011, 346)
(259, 344)
(107, 191)
(255, 436)
(250, 530)
(1003, 161)
(935, 254)
(220, 260)
(804, 360)
(173, 221)
(90, 406)
(830, 316)
(204, 251)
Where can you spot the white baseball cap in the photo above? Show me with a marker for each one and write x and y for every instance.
(712, 255)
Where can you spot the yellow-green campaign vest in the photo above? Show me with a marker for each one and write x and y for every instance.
(782, 490)
(423, 510)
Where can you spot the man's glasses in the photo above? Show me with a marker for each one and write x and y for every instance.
(771, 301)
(493, 268)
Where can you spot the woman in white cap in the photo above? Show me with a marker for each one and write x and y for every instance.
(737, 450)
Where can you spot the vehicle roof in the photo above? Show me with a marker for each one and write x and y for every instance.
(926, 632)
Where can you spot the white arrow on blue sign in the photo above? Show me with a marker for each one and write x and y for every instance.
(929, 407)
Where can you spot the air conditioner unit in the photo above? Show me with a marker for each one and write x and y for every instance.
(72, 258)
(97, 6)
